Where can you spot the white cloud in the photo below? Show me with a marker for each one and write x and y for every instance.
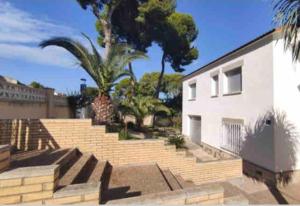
(20, 34)
(50, 56)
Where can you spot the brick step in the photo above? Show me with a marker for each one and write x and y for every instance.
(75, 170)
(171, 180)
(184, 184)
(98, 172)
(77, 193)
(37, 158)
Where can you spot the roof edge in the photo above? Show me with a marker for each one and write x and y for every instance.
(190, 75)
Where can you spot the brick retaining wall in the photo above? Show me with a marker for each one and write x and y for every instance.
(4, 157)
(40, 134)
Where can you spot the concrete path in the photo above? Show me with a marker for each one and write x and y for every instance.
(198, 152)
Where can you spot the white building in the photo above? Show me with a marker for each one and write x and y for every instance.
(248, 102)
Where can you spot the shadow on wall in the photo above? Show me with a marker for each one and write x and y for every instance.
(259, 146)
(26, 135)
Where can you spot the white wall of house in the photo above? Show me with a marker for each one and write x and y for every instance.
(254, 102)
(287, 103)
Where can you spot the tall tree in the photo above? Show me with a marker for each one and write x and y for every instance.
(104, 71)
(103, 10)
(174, 32)
(175, 38)
(128, 23)
(287, 16)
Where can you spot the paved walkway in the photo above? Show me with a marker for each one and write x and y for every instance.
(256, 192)
(198, 152)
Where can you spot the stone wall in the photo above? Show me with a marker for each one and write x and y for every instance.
(40, 134)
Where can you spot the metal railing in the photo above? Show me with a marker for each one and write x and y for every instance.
(232, 136)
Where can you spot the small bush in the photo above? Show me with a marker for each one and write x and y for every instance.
(177, 140)
(123, 135)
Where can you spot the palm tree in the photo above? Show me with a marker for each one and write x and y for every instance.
(287, 16)
(141, 106)
(105, 72)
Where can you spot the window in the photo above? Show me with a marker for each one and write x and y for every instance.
(215, 86)
(233, 81)
(192, 92)
(233, 135)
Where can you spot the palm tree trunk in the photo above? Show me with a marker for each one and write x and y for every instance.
(139, 123)
(103, 109)
(161, 76)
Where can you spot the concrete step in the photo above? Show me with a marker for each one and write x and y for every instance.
(70, 176)
(171, 180)
(77, 193)
(98, 172)
(66, 161)
(184, 184)
(236, 200)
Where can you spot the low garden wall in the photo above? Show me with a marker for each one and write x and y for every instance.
(46, 133)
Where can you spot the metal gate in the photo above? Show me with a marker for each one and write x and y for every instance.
(233, 135)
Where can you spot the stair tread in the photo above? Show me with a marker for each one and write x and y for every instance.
(64, 156)
(172, 181)
(77, 189)
(97, 172)
(74, 171)
(184, 184)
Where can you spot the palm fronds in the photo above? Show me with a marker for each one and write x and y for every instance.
(105, 72)
(287, 16)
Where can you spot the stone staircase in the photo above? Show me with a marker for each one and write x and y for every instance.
(77, 176)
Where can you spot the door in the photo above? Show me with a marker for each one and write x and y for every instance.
(195, 129)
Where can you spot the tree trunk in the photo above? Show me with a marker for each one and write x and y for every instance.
(103, 110)
(139, 123)
(133, 80)
(161, 76)
(107, 27)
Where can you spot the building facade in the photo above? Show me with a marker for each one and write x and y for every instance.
(248, 103)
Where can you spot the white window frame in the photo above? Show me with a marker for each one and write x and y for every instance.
(191, 98)
(225, 81)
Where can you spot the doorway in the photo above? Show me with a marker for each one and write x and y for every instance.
(195, 129)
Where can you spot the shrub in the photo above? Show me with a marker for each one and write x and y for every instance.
(124, 135)
(177, 140)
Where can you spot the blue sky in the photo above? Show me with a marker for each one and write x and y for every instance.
(223, 26)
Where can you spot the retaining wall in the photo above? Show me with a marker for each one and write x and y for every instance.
(45, 133)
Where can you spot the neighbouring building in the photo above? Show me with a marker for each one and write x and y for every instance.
(20, 101)
(248, 102)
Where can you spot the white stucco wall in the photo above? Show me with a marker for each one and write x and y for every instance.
(255, 100)
(287, 103)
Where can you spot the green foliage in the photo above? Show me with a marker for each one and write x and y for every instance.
(105, 72)
(140, 107)
(36, 85)
(124, 135)
(177, 140)
(287, 16)
(147, 84)
(123, 89)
